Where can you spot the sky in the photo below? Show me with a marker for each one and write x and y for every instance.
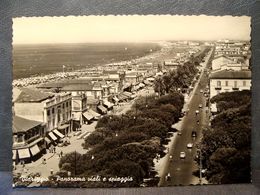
(134, 28)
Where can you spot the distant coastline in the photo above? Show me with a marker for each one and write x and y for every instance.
(46, 59)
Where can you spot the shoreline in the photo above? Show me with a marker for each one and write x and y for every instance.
(41, 79)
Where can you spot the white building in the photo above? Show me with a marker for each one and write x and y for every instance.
(53, 110)
(224, 62)
(229, 80)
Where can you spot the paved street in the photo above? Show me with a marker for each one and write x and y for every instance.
(181, 170)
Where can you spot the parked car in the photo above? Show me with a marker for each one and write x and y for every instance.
(200, 105)
(189, 145)
(168, 177)
(193, 134)
(182, 155)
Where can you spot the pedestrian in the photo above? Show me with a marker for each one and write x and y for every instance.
(51, 171)
(54, 149)
(61, 153)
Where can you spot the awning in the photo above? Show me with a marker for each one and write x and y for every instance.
(14, 154)
(93, 113)
(58, 133)
(108, 104)
(24, 153)
(141, 85)
(88, 115)
(48, 141)
(35, 150)
(64, 126)
(116, 99)
(128, 94)
(53, 137)
(102, 108)
(122, 97)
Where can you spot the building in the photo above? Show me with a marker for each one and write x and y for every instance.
(220, 60)
(78, 107)
(229, 80)
(170, 64)
(53, 110)
(133, 77)
(28, 140)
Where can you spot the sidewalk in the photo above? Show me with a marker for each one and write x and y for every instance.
(52, 159)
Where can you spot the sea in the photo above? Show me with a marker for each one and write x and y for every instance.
(41, 59)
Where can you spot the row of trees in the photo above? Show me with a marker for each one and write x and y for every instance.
(226, 147)
(180, 78)
(125, 146)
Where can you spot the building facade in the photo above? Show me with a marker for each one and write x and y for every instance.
(228, 81)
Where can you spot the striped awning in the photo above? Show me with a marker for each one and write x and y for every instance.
(58, 133)
(24, 153)
(47, 140)
(88, 115)
(102, 108)
(35, 150)
(93, 113)
(53, 137)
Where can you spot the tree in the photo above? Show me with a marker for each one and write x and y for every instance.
(226, 147)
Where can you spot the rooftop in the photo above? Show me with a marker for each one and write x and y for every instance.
(77, 87)
(61, 84)
(32, 95)
(223, 56)
(22, 125)
(231, 74)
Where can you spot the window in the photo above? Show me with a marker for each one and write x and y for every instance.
(218, 83)
(67, 104)
(48, 112)
(226, 83)
(59, 116)
(20, 138)
(53, 122)
(63, 105)
(244, 83)
(52, 110)
(235, 84)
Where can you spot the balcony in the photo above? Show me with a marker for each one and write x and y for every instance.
(218, 88)
(235, 88)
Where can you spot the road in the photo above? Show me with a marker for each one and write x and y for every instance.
(181, 170)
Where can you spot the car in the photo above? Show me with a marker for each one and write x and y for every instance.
(200, 105)
(201, 91)
(168, 177)
(197, 112)
(179, 133)
(193, 134)
(189, 145)
(182, 155)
